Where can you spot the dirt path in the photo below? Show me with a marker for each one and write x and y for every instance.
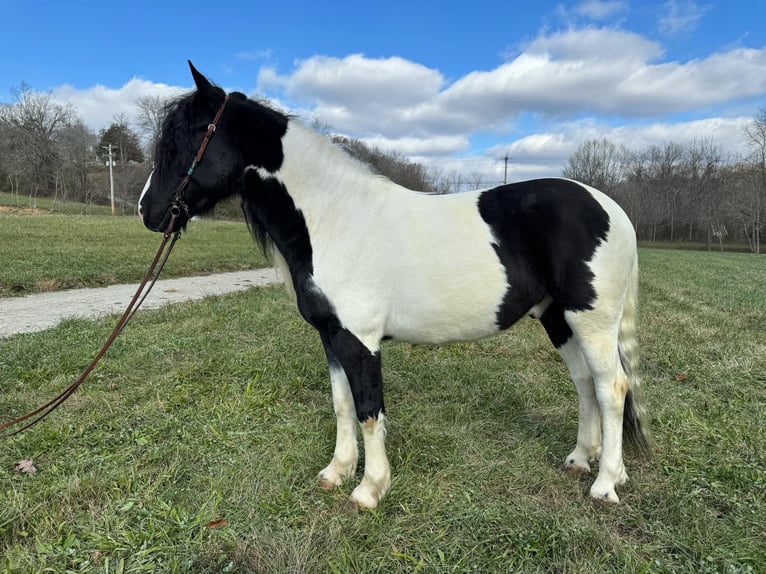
(45, 310)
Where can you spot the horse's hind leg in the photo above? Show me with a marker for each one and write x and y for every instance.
(596, 331)
(589, 421)
(344, 459)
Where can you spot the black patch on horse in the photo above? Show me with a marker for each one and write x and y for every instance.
(555, 325)
(546, 231)
(265, 150)
(273, 217)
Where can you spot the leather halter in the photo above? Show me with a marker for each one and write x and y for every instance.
(178, 209)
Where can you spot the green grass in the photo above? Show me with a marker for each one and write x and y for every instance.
(21, 203)
(221, 409)
(51, 252)
(698, 246)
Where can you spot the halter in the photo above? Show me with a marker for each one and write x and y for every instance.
(178, 209)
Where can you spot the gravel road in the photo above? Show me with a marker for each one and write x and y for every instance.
(45, 310)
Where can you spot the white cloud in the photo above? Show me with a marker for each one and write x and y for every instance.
(358, 81)
(421, 147)
(545, 153)
(356, 94)
(568, 72)
(609, 75)
(99, 105)
(255, 55)
(601, 9)
(680, 16)
(574, 72)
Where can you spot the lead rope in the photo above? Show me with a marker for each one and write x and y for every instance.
(139, 297)
(178, 209)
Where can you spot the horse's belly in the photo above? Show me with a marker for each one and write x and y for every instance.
(435, 331)
(464, 315)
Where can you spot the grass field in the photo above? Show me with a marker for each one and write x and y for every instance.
(21, 203)
(51, 252)
(194, 446)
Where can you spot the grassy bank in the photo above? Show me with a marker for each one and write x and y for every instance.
(51, 252)
(12, 203)
(194, 446)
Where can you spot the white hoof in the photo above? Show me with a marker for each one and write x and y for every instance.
(603, 489)
(368, 493)
(335, 474)
(577, 462)
(607, 495)
(575, 469)
(362, 499)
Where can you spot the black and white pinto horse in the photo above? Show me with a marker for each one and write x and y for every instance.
(369, 260)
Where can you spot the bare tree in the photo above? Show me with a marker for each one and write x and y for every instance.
(755, 138)
(32, 126)
(391, 164)
(436, 182)
(476, 179)
(151, 114)
(703, 200)
(631, 192)
(76, 144)
(599, 163)
(665, 164)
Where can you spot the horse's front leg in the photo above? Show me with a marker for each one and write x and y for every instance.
(343, 463)
(362, 367)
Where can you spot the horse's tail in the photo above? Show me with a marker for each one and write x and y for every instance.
(635, 417)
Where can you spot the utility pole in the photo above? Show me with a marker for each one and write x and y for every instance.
(505, 171)
(111, 179)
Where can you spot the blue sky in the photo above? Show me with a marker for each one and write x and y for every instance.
(456, 85)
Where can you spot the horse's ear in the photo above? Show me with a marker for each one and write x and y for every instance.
(204, 87)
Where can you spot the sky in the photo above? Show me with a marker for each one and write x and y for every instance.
(457, 86)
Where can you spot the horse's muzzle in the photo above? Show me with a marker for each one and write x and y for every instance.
(176, 218)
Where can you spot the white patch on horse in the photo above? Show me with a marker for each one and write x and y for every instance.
(143, 191)
(377, 472)
(597, 333)
(343, 463)
(589, 420)
(537, 310)
(283, 272)
(407, 265)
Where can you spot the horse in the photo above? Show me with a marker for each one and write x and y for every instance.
(365, 260)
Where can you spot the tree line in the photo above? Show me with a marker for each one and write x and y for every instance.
(697, 192)
(46, 150)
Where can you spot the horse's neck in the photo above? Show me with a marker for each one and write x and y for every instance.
(320, 175)
(332, 196)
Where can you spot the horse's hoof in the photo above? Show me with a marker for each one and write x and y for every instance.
(362, 499)
(575, 465)
(325, 484)
(574, 470)
(609, 497)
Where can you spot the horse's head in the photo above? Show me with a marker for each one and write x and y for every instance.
(219, 173)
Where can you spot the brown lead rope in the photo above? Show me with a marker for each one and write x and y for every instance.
(139, 297)
(177, 211)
